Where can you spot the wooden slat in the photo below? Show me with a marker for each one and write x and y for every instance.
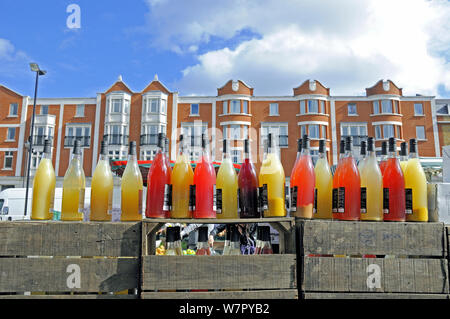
(333, 295)
(90, 296)
(397, 275)
(219, 221)
(256, 294)
(219, 272)
(53, 238)
(377, 238)
(50, 274)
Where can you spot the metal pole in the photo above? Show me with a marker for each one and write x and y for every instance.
(30, 139)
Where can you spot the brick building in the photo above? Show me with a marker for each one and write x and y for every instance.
(120, 115)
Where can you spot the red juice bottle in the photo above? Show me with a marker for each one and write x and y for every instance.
(204, 184)
(248, 187)
(393, 187)
(383, 158)
(337, 180)
(303, 182)
(158, 184)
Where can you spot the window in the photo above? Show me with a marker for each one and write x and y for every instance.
(442, 109)
(116, 106)
(351, 109)
(11, 135)
(314, 156)
(236, 156)
(116, 155)
(313, 106)
(420, 132)
(357, 130)
(245, 128)
(193, 132)
(418, 109)
(152, 105)
(377, 132)
(163, 106)
(386, 106)
(303, 130)
(376, 107)
(8, 160)
(80, 110)
(273, 109)
(235, 106)
(194, 109)
(398, 129)
(388, 131)
(313, 131)
(36, 159)
(13, 109)
(225, 107)
(396, 110)
(245, 107)
(81, 133)
(277, 130)
(302, 107)
(44, 109)
(126, 106)
(324, 131)
(322, 106)
(235, 132)
(148, 155)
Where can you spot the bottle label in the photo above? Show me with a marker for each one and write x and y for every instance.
(264, 198)
(219, 201)
(334, 200)
(191, 197)
(386, 200)
(409, 200)
(258, 199)
(341, 200)
(81, 201)
(214, 198)
(109, 211)
(315, 201)
(238, 200)
(140, 202)
(287, 197)
(294, 194)
(167, 205)
(363, 200)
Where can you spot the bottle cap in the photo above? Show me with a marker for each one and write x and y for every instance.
(413, 145)
(203, 234)
(224, 146)
(342, 147)
(203, 141)
(305, 142)
(384, 148)
(181, 137)
(228, 232)
(299, 145)
(363, 148)
(322, 146)
(264, 233)
(392, 144)
(132, 148)
(47, 146)
(370, 144)
(161, 141)
(171, 234)
(77, 147)
(235, 235)
(269, 140)
(403, 149)
(348, 143)
(103, 147)
(246, 148)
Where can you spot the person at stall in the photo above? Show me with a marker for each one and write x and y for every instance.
(191, 232)
(247, 236)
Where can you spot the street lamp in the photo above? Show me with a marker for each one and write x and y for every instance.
(35, 68)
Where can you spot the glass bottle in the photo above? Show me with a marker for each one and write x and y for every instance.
(265, 246)
(227, 244)
(383, 159)
(172, 237)
(337, 179)
(403, 156)
(74, 185)
(362, 156)
(44, 186)
(324, 185)
(248, 187)
(102, 186)
(235, 243)
(227, 187)
(131, 188)
(202, 243)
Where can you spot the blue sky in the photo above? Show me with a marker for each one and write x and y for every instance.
(196, 46)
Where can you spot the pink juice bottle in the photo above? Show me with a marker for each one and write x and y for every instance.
(248, 187)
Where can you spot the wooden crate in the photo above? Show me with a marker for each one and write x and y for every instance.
(411, 259)
(223, 277)
(42, 259)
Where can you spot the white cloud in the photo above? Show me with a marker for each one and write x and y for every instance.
(347, 45)
(12, 61)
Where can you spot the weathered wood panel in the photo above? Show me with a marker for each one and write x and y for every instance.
(219, 272)
(54, 274)
(54, 238)
(80, 296)
(377, 238)
(255, 294)
(397, 275)
(332, 295)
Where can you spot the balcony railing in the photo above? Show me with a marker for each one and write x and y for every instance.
(70, 140)
(357, 139)
(149, 139)
(39, 140)
(116, 139)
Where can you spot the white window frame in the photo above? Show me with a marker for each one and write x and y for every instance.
(235, 132)
(79, 110)
(225, 107)
(236, 153)
(383, 104)
(198, 110)
(302, 107)
(12, 107)
(244, 106)
(46, 108)
(74, 127)
(235, 104)
(8, 155)
(441, 106)
(275, 129)
(376, 107)
(273, 109)
(316, 129)
(422, 110)
(8, 139)
(384, 130)
(112, 110)
(314, 103)
(355, 108)
(424, 133)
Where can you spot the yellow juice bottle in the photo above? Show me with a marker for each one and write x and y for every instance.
(415, 187)
(102, 188)
(324, 185)
(272, 175)
(371, 186)
(182, 178)
(227, 187)
(73, 187)
(131, 188)
(403, 157)
(44, 187)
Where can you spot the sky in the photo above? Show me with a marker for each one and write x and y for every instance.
(196, 46)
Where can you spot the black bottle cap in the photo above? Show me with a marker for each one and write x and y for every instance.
(322, 146)
(161, 141)
(132, 148)
(235, 235)
(348, 143)
(392, 144)
(342, 147)
(299, 145)
(47, 146)
(363, 148)
(181, 137)
(228, 232)
(103, 147)
(224, 146)
(77, 147)
(403, 149)
(370, 144)
(246, 148)
(203, 141)
(305, 142)
(203, 234)
(269, 140)
(413, 145)
(171, 235)
(263, 233)
(166, 140)
(384, 148)
(177, 230)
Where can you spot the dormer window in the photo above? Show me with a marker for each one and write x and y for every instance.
(116, 106)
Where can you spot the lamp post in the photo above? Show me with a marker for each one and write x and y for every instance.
(35, 68)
